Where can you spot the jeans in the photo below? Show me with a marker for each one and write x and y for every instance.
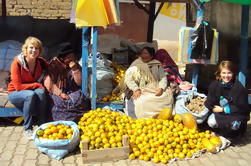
(130, 108)
(33, 103)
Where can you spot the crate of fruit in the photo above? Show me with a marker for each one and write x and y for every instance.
(106, 154)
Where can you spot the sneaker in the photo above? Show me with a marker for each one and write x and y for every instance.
(29, 134)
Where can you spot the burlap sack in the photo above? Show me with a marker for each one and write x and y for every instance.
(148, 105)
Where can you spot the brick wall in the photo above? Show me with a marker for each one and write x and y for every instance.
(41, 9)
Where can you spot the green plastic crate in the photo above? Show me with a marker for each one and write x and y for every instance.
(242, 2)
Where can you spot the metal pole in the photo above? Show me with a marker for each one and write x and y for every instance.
(244, 44)
(85, 53)
(195, 67)
(94, 65)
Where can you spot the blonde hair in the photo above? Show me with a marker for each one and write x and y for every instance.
(226, 65)
(32, 40)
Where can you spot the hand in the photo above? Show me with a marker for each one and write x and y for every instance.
(73, 65)
(136, 94)
(218, 109)
(159, 92)
(64, 96)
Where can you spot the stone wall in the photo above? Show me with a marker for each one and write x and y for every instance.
(41, 9)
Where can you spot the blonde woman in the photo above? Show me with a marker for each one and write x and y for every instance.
(228, 102)
(25, 90)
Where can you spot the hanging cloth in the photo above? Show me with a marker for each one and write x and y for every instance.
(95, 13)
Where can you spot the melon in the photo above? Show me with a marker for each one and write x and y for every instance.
(189, 120)
(165, 114)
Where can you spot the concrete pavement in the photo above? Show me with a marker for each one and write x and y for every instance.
(17, 150)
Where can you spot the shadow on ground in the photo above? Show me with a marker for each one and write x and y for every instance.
(8, 122)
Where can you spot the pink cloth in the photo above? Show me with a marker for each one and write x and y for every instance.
(169, 66)
(163, 56)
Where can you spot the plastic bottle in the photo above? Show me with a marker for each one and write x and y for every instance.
(224, 104)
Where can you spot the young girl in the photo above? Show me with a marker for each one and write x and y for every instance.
(228, 102)
(25, 90)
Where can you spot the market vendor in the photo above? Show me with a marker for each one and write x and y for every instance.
(146, 79)
(228, 102)
(63, 82)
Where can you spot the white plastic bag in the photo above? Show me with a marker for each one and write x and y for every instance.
(180, 107)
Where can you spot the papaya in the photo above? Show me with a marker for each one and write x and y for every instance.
(165, 114)
(189, 120)
(208, 145)
(216, 141)
(177, 118)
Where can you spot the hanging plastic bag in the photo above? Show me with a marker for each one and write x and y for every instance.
(202, 41)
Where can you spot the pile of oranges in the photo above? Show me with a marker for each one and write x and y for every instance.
(113, 97)
(119, 72)
(55, 132)
(150, 139)
(103, 128)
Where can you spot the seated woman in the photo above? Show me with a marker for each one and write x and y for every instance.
(25, 89)
(229, 117)
(146, 79)
(63, 81)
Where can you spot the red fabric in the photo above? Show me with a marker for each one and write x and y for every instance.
(169, 66)
(163, 56)
(22, 79)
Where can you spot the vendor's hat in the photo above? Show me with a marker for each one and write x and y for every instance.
(65, 49)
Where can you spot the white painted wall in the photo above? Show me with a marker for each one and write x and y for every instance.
(171, 17)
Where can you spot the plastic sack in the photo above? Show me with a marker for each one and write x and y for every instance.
(57, 149)
(181, 108)
(202, 41)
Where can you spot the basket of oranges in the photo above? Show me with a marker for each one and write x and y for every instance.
(56, 139)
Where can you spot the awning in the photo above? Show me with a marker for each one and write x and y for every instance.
(90, 13)
(242, 2)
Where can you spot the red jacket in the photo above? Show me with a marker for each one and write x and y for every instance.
(22, 79)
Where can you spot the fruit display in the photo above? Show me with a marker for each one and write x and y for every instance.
(150, 139)
(196, 105)
(55, 132)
